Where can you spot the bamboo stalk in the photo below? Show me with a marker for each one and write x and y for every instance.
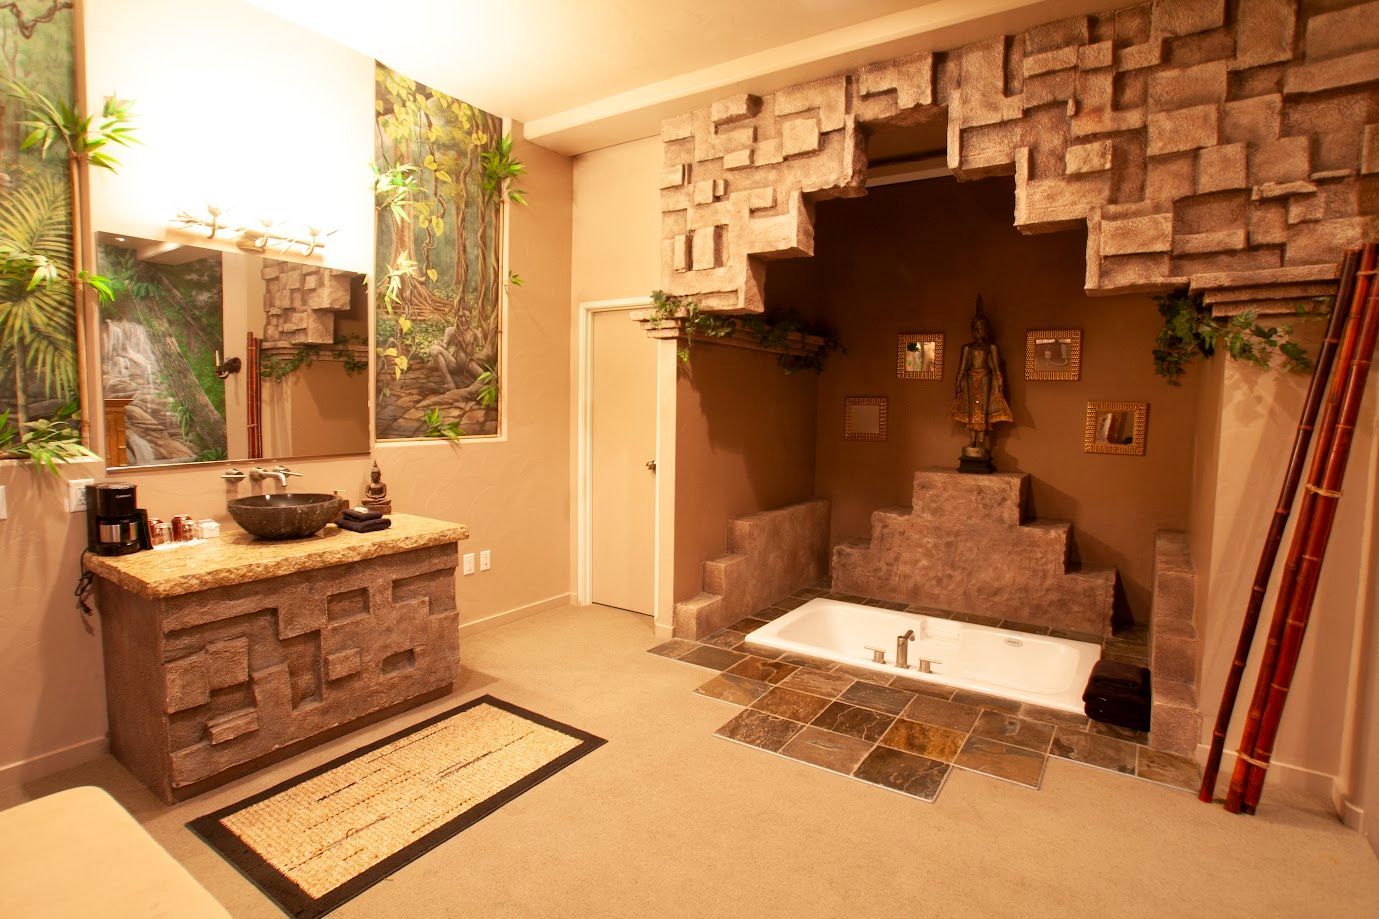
(1268, 556)
(1318, 535)
(1306, 507)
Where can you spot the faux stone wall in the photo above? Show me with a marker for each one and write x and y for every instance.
(205, 682)
(300, 301)
(1232, 147)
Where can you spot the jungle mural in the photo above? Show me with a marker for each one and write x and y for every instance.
(443, 170)
(159, 336)
(38, 363)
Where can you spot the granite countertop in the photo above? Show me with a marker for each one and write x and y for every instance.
(237, 557)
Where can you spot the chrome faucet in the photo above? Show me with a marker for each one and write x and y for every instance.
(902, 649)
(258, 473)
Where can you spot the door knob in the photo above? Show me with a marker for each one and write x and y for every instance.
(651, 464)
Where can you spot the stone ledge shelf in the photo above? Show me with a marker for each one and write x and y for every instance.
(237, 557)
(795, 343)
(224, 657)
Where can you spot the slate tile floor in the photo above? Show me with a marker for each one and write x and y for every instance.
(901, 733)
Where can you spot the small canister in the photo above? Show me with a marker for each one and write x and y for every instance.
(207, 529)
(159, 531)
(182, 528)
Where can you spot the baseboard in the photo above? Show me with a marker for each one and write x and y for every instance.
(1351, 815)
(1281, 775)
(46, 764)
(512, 615)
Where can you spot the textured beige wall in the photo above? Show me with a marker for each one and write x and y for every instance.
(914, 257)
(744, 443)
(513, 494)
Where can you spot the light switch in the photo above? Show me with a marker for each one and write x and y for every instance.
(4, 505)
(469, 563)
(485, 560)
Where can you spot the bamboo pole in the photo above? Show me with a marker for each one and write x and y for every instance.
(1328, 494)
(1268, 556)
(1288, 582)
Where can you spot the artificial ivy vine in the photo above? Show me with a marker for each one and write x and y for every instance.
(772, 335)
(1191, 332)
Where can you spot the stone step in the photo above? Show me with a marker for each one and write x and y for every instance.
(1174, 579)
(697, 616)
(1174, 651)
(958, 499)
(1175, 721)
(717, 569)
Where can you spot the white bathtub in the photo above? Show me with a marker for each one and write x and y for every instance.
(1016, 665)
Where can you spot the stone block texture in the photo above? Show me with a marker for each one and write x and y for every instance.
(300, 301)
(1175, 650)
(1166, 129)
(770, 555)
(209, 681)
(967, 544)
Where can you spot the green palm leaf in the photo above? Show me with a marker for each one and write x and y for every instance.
(40, 319)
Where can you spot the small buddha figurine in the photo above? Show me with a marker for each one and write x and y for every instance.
(979, 398)
(376, 494)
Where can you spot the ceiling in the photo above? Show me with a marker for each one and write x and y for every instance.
(587, 73)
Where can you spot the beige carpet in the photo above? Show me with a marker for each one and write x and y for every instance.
(676, 822)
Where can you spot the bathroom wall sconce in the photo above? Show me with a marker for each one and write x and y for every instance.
(268, 235)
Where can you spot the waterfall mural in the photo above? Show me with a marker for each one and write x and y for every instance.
(38, 364)
(439, 272)
(159, 336)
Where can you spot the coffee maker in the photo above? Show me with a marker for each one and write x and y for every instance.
(115, 525)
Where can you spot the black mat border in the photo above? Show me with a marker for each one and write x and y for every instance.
(295, 901)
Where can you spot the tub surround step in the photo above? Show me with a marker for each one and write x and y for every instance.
(770, 555)
(968, 544)
(1175, 647)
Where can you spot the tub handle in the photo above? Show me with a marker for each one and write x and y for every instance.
(878, 655)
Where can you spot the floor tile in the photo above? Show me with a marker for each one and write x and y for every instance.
(853, 721)
(747, 625)
(860, 673)
(788, 703)
(756, 668)
(674, 648)
(1012, 729)
(1016, 626)
(882, 698)
(976, 619)
(924, 739)
(725, 638)
(809, 593)
(1167, 769)
(1094, 750)
(735, 689)
(1072, 635)
(770, 614)
(952, 715)
(713, 658)
(759, 729)
(917, 776)
(801, 660)
(982, 700)
(770, 654)
(1139, 660)
(1116, 731)
(1002, 760)
(1053, 716)
(929, 611)
(837, 752)
(789, 603)
(922, 687)
(828, 685)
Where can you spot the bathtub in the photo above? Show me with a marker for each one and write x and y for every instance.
(1039, 669)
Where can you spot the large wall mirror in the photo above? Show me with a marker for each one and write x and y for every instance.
(173, 389)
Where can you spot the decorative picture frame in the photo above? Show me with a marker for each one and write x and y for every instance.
(1107, 425)
(1053, 355)
(919, 356)
(865, 417)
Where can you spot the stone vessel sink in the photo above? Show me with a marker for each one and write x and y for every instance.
(285, 516)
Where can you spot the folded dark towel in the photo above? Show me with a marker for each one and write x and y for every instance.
(1133, 715)
(354, 513)
(365, 526)
(1115, 676)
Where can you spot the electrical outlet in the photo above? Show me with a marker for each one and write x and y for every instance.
(76, 495)
(485, 559)
(469, 563)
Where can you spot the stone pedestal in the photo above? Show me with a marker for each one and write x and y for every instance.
(268, 652)
(967, 545)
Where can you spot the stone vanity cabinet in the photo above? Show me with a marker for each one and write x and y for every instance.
(223, 657)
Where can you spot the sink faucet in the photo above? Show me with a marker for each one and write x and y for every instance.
(902, 649)
(258, 473)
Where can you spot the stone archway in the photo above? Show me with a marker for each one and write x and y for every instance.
(1232, 148)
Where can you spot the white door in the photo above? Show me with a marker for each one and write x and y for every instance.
(622, 451)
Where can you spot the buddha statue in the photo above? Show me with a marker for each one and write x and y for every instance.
(376, 494)
(979, 398)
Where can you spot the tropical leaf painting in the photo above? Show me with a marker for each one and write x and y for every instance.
(439, 273)
(38, 366)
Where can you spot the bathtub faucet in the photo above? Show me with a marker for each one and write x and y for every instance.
(902, 649)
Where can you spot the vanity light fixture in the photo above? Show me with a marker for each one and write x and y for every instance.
(270, 234)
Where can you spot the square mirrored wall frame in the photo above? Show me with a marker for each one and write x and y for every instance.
(919, 356)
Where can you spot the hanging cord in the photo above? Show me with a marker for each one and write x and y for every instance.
(83, 595)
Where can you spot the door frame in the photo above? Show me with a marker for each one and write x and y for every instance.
(663, 524)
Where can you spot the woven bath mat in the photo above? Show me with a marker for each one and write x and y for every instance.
(315, 841)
